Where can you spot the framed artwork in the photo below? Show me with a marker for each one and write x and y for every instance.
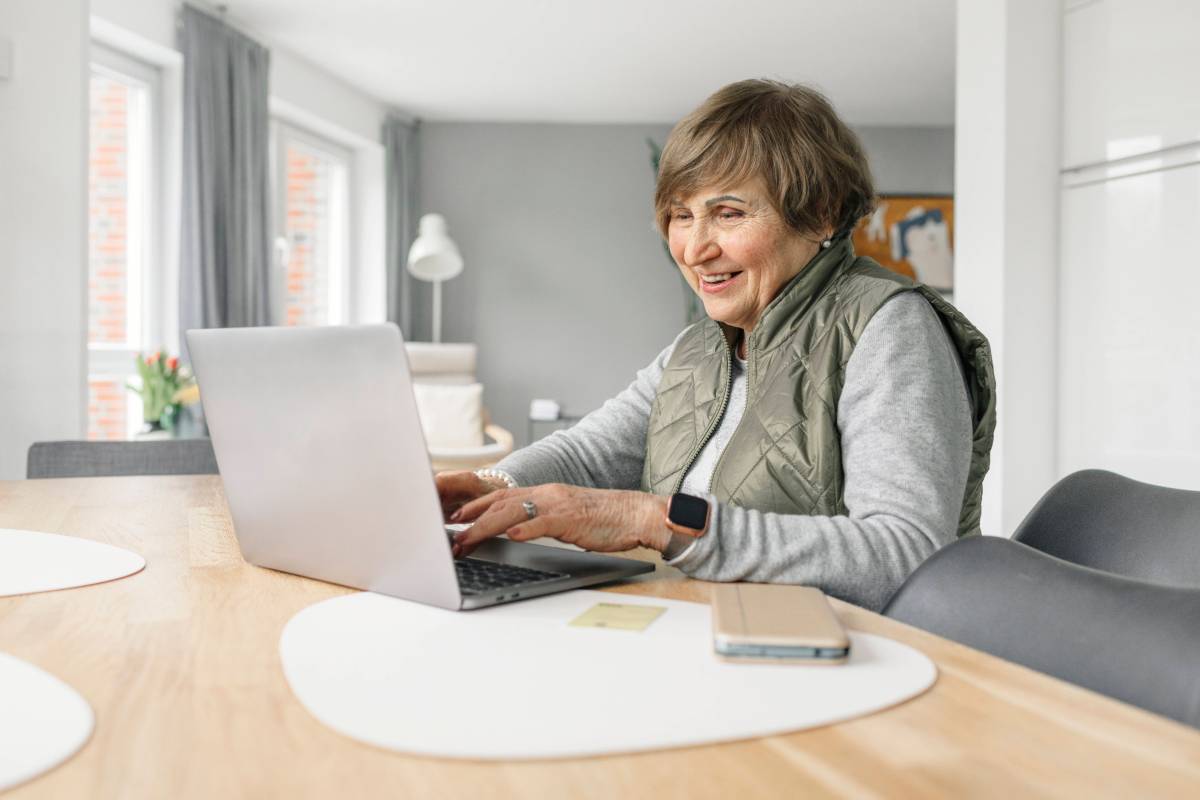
(913, 235)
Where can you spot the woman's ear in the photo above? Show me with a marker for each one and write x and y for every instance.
(822, 237)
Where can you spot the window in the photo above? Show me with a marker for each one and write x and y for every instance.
(312, 226)
(123, 244)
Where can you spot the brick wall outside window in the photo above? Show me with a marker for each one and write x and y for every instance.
(107, 408)
(112, 116)
(107, 203)
(307, 226)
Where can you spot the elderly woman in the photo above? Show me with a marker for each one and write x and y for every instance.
(829, 424)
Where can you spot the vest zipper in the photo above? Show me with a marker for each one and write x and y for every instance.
(712, 426)
(732, 436)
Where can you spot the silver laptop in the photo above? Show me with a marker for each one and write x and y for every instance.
(326, 472)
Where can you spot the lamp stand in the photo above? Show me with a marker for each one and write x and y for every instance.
(437, 311)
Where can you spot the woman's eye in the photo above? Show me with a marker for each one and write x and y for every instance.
(680, 216)
(730, 213)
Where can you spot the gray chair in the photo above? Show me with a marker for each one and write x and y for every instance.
(1109, 522)
(1138, 642)
(91, 459)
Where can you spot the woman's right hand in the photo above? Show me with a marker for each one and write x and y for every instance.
(457, 488)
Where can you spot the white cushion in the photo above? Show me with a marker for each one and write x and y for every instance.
(452, 416)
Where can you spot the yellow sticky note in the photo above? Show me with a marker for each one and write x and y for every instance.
(617, 615)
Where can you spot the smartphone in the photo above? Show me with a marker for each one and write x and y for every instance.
(771, 623)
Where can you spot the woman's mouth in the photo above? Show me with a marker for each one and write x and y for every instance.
(711, 284)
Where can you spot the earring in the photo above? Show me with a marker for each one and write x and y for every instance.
(827, 243)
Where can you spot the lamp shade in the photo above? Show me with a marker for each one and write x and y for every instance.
(434, 256)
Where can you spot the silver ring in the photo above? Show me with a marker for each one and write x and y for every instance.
(530, 509)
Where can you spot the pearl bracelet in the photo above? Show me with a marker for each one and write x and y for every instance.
(498, 475)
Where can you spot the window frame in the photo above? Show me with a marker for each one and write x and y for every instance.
(341, 287)
(145, 284)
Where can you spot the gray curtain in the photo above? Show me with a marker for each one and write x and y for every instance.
(226, 227)
(400, 138)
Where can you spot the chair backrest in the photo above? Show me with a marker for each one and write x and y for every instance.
(440, 362)
(1129, 639)
(452, 418)
(92, 459)
(1109, 522)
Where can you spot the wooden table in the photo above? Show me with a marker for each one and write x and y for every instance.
(181, 665)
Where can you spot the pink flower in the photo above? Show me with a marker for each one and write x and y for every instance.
(172, 363)
(153, 358)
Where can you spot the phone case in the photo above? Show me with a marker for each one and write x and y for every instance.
(770, 623)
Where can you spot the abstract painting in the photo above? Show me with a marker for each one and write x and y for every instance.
(912, 235)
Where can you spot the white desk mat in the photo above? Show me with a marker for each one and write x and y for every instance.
(43, 721)
(42, 562)
(517, 682)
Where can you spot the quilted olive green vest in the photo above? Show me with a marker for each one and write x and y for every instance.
(786, 455)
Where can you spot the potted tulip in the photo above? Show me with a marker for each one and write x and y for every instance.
(164, 385)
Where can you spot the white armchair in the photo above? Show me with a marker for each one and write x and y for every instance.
(449, 400)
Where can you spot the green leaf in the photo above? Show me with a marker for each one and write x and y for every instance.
(655, 153)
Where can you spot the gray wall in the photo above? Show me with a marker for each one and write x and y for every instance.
(910, 160)
(567, 289)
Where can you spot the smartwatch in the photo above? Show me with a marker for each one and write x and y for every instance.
(687, 515)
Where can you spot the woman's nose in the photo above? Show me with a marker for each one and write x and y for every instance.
(701, 247)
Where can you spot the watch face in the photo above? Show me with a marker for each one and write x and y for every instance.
(688, 511)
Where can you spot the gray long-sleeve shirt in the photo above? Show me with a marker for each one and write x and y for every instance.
(905, 427)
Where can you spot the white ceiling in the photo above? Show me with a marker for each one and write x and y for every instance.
(882, 62)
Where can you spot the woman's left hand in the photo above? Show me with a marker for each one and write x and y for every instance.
(602, 520)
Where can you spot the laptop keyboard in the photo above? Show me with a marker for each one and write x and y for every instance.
(476, 576)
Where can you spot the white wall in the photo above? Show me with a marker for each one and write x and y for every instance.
(1006, 208)
(43, 227)
(153, 20)
(305, 86)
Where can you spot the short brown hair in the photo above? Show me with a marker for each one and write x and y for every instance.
(789, 135)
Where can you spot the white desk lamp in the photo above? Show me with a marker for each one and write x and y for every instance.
(434, 257)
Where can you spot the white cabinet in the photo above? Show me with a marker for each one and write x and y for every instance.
(1131, 78)
(1129, 357)
(1129, 281)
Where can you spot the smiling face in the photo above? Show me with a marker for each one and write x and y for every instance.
(735, 251)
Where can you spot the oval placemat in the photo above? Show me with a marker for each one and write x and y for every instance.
(518, 681)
